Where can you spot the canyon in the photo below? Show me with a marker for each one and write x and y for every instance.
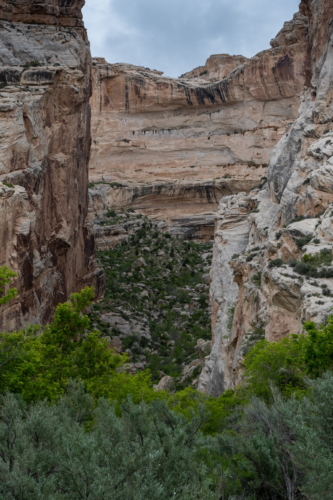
(238, 150)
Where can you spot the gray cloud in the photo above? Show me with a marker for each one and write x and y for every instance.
(175, 36)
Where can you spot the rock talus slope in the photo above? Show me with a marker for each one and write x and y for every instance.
(272, 265)
(45, 88)
(174, 147)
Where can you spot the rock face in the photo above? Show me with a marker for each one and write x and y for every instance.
(47, 12)
(262, 285)
(217, 67)
(173, 147)
(45, 146)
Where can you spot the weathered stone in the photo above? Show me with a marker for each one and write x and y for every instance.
(116, 345)
(167, 383)
(269, 300)
(188, 142)
(45, 147)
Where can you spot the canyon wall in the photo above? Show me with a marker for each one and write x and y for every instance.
(262, 285)
(45, 86)
(173, 147)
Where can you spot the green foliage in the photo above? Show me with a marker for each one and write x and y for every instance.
(275, 263)
(6, 276)
(41, 365)
(301, 242)
(175, 306)
(275, 363)
(186, 445)
(315, 266)
(70, 451)
(285, 364)
(324, 257)
(111, 214)
(256, 279)
(190, 402)
(284, 450)
(318, 348)
(32, 64)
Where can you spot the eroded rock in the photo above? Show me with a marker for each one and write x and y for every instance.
(45, 146)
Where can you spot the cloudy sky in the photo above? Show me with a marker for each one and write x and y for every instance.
(176, 36)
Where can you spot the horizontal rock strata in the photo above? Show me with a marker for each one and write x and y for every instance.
(219, 122)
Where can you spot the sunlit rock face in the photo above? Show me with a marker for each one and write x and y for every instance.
(173, 147)
(256, 290)
(45, 86)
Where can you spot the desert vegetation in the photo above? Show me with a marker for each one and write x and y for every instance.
(75, 424)
(156, 299)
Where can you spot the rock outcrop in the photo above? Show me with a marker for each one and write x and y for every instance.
(272, 264)
(172, 148)
(45, 86)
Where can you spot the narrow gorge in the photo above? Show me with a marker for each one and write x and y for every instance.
(166, 263)
(237, 152)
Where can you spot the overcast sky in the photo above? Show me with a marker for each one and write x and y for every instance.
(176, 36)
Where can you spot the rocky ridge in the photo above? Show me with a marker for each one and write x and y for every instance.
(272, 266)
(45, 69)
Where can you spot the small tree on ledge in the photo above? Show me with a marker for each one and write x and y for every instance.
(6, 276)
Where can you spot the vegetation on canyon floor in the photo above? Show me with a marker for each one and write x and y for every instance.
(156, 301)
(81, 420)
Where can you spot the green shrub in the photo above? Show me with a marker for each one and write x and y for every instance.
(275, 263)
(277, 363)
(315, 265)
(301, 242)
(32, 64)
(6, 276)
(256, 279)
(72, 450)
(111, 214)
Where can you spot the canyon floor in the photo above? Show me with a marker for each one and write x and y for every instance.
(155, 306)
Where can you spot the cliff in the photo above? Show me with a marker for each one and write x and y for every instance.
(45, 146)
(272, 264)
(172, 148)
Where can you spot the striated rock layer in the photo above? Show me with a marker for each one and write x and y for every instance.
(45, 145)
(257, 291)
(159, 143)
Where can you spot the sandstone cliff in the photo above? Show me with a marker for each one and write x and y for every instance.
(45, 145)
(173, 147)
(262, 285)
